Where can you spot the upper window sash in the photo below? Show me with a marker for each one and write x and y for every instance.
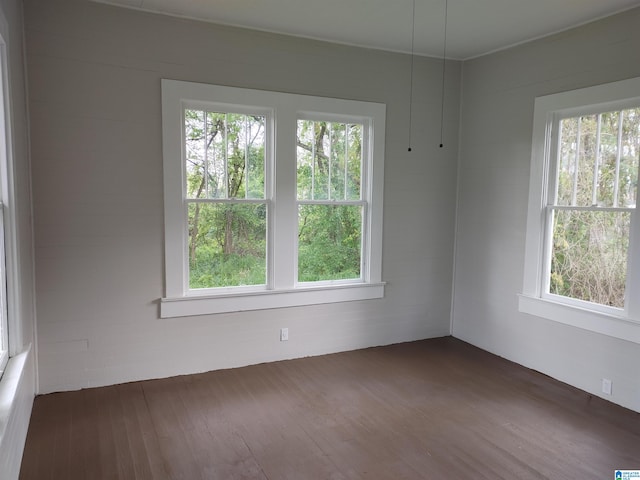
(556, 132)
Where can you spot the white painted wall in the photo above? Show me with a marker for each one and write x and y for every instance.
(94, 85)
(496, 125)
(17, 386)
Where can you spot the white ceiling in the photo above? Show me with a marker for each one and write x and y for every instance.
(475, 27)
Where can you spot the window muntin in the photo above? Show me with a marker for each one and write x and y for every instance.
(592, 195)
(224, 155)
(331, 205)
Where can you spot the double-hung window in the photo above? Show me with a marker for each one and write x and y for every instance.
(583, 237)
(4, 324)
(271, 199)
(225, 198)
(9, 312)
(331, 209)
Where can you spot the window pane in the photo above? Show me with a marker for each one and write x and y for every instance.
(227, 244)
(354, 169)
(589, 256)
(225, 155)
(329, 242)
(567, 158)
(195, 153)
(609, 123)
(329, 160)
(629, 155)
(256, 142)
(321, 160)
(304, 155)
(576, 160)
(583, 182)
(235, 156)
(338, 161)
(216, 158)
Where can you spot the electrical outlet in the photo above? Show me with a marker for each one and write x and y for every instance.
(606, 386)
(284, 334)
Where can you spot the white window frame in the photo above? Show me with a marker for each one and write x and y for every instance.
(10, 278)
(282, 290)
(268, 190)
(535, 298)
(365, 195)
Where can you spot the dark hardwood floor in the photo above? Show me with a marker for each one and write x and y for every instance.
(432, 409)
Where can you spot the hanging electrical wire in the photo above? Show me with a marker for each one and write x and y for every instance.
(413, 29)
(444, 69)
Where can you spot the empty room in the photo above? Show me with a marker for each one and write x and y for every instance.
(319, 240)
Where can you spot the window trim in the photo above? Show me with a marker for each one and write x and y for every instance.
(282, 291)
(614, 322)
(8, 200)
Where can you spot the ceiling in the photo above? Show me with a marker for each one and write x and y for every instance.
(474, 27)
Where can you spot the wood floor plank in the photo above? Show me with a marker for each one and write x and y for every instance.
(421, 410)
(141, 435)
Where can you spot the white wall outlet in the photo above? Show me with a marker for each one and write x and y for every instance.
(606, 386)
(284, 334)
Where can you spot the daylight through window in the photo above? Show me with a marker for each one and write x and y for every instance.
(582, 253)
(271, 199)
(227, 210)
(595, 195)
(330, 206)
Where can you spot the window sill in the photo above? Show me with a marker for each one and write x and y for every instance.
(615, 326)
(10, 388)
(240, 302)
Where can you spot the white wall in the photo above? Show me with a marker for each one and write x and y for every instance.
(496, 125)
(94, 85)
(17, 385)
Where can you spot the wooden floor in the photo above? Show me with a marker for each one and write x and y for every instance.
(432, 409)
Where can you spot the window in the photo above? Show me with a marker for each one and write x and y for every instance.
(224, 157)
(330, 207)
(4, 333)
(271, 199)
(583, 234)
(9, 274)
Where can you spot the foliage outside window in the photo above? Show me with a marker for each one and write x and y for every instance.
(582, 252)
(330, 207)
(271, 199)
(596, 190)
(227, 211)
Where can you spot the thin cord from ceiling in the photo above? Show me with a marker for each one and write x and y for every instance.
(444, 68)
(413, 29)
